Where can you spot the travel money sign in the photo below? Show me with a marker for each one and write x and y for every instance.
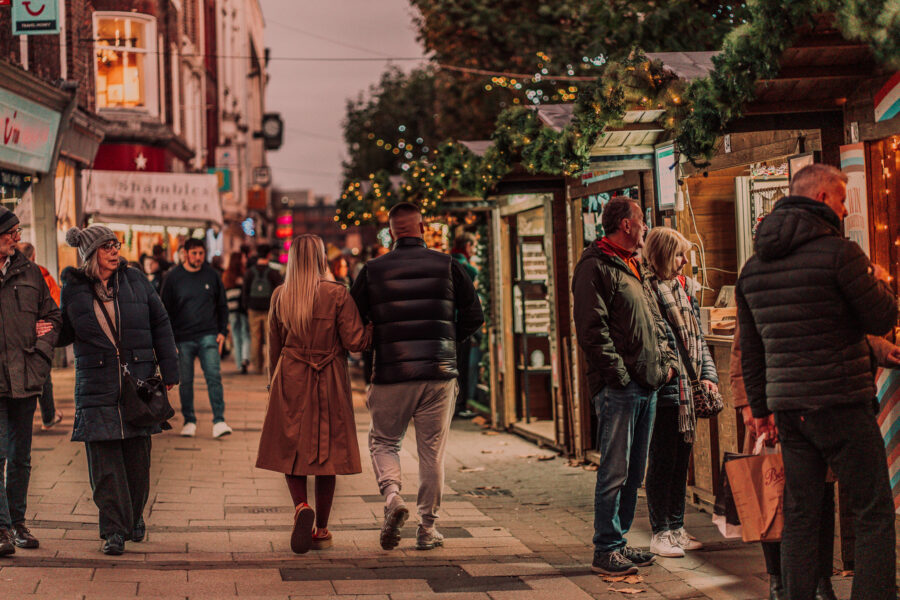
(35, 17)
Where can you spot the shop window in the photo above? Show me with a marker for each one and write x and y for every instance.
(125, 60)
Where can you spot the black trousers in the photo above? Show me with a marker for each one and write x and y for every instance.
(120, 480)
(772, 550)
(667, 468)
(48, 406)
(847, 439)
(463, 351)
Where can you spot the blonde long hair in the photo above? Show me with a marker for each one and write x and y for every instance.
(305, 267)
(660, 250)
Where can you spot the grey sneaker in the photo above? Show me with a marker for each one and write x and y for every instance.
(612, 563)
(395, 517)
(428, 538)
(640, 558)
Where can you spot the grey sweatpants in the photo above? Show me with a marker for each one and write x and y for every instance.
(430, 405)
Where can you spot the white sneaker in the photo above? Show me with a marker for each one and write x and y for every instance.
(663, 544)
(189, 430)
(221, 428)
(686, 540)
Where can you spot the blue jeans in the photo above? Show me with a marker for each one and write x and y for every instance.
(16, 416)
(207, 350)
(625, 423)
(240, 336)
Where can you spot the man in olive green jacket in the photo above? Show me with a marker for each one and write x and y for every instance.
(29, 325)
(623, 336)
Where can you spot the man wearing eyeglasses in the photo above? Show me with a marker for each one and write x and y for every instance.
(29, 325)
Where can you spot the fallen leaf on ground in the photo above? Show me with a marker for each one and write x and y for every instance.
(470, 469)
(489, 432)
(589, 467)
(632, 579)
(546, 457)
(627, 590)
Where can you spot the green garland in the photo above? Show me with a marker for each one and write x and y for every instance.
(753, 51)
(520, 138)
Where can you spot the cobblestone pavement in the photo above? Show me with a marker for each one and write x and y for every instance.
(518, 527)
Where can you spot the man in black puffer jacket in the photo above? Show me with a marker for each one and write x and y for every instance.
(806, 301)
(422, 303)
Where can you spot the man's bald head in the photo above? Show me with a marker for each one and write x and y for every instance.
(406, 221)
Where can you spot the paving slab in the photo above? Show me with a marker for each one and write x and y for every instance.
(520, 529)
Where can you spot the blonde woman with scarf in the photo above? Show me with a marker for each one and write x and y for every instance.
(309, 428)
(665, 254)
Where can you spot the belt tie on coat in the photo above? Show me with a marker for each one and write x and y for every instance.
(321, 415)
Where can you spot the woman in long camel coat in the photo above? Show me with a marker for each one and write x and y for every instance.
(309, 427)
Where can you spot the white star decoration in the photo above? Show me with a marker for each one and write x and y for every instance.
(140, 161)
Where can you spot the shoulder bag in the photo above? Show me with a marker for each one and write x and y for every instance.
(145, 403)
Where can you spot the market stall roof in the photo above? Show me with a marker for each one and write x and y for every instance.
(556, 116)
(686, 65)
(813, 79)
(630, 145)
(477, 147)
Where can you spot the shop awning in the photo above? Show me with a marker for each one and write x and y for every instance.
(186, 199)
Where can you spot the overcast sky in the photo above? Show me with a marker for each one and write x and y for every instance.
(311, 96)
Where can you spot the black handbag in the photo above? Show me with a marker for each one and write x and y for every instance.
(145, 402)
(707, 404)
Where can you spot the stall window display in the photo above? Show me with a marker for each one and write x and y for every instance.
(125, 61)
(592, 208)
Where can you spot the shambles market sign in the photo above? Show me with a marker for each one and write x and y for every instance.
(35, 17)
(172, 198)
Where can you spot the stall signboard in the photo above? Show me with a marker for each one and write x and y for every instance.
(888, 385)
(856, 224)
(35, 17)
(887, 100)
(666, 176)
(171, 197)
(27, 133)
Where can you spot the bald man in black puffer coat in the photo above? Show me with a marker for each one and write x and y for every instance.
(806, 301)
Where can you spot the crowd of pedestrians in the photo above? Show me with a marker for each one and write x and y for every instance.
(810, 309)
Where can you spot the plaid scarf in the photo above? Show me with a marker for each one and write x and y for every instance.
(679, 313)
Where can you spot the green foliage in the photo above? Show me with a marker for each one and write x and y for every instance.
(398, 100)
(519, 137)
(753, 51)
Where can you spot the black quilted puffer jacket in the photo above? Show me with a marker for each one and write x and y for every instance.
(146, 338)
(806, 301)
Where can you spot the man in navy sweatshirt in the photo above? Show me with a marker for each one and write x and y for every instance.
(195, 299)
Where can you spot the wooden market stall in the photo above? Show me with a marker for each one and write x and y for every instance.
(831, 101)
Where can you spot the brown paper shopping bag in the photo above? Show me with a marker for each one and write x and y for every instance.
(757, 484)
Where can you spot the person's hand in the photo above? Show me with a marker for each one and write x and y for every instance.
(766, 427)
(170, 386)
(747, 416)
(42, 328)
(881, 273)
(710, 385)
(220, 338)
(672, 373)
(893, 357)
